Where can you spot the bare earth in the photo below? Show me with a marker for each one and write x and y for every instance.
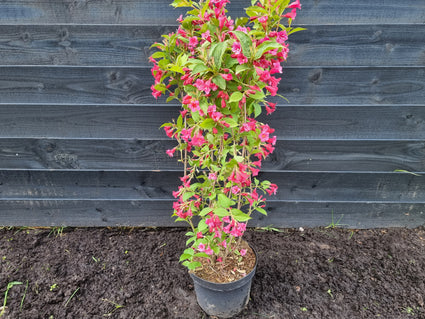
(134, 273)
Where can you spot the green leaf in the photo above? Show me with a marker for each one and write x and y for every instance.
(239, 215)
(202, 225)
(242, 67)
(246, 42)
(187, 195)
(404, 171)
(266, 46)
(280, 3)
(158, 55)
(184, 257)
(261, 210)
(176, 68)
(189, 251)
(198, 68)
(207, 124)
(181, 3)
(189, 241)
(205, 211)
(238, 158)
(232, 123)
(257, 109)
(170, 98)
(230, 62)
(204, 255)
(296, 30)
(220, 82)
(216, 52)
(235, 97)
(192, 265)
(221, 212)
(180, 121)
(225, 201)
(259, 95)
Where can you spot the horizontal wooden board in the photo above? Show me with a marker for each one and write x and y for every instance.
(358, 45)
(327, 85)
(293, 186)
(159, 11)
(157, 213)
(107, 45)
(303, 155)
(293, 122)
(78, 44)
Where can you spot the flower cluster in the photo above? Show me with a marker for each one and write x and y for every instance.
(221, 71)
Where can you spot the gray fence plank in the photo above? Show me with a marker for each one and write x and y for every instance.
(297, 122)
(356, 85)
(159, 11)
(293, 186)
(157, 213)
(107, 45)
(303, 155)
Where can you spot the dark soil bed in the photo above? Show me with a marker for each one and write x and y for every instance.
(134, 273)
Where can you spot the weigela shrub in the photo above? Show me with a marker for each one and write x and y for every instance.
(221, 71)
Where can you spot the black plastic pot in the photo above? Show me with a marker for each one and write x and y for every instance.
(223, 300)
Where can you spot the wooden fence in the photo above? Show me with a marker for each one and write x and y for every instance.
(80, 143)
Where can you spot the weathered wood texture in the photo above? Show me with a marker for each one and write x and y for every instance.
(80, 143)
(88, 45)
(295, 155)
(110, 85)
(107, 212)
(154, 185)
(293, 122)
(148, 12)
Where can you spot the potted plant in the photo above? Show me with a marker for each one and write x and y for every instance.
(221, 71)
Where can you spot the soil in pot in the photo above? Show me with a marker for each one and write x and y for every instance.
(231, 269)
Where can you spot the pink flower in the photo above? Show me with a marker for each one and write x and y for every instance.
(270, 107)
(236, 48)
(155, 92)
(216, 116)
(277, 68)
(170, 152)
(205, 86)
(242, 59)
(296, 4)
(199, 235)
(240, 177)
(186, 134)
(272, 90)
(263, 21)
(243, 29)
(193, 41)
(272, 189)
(291, 15)
(212, 176)
(243, 252)
(198, 139)
(194, 105)
(209, 251)
(206, 36)
(264, 136)
(201, 247)
(227, 77)
(236, 189)
(169, 131)
(281, 37)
